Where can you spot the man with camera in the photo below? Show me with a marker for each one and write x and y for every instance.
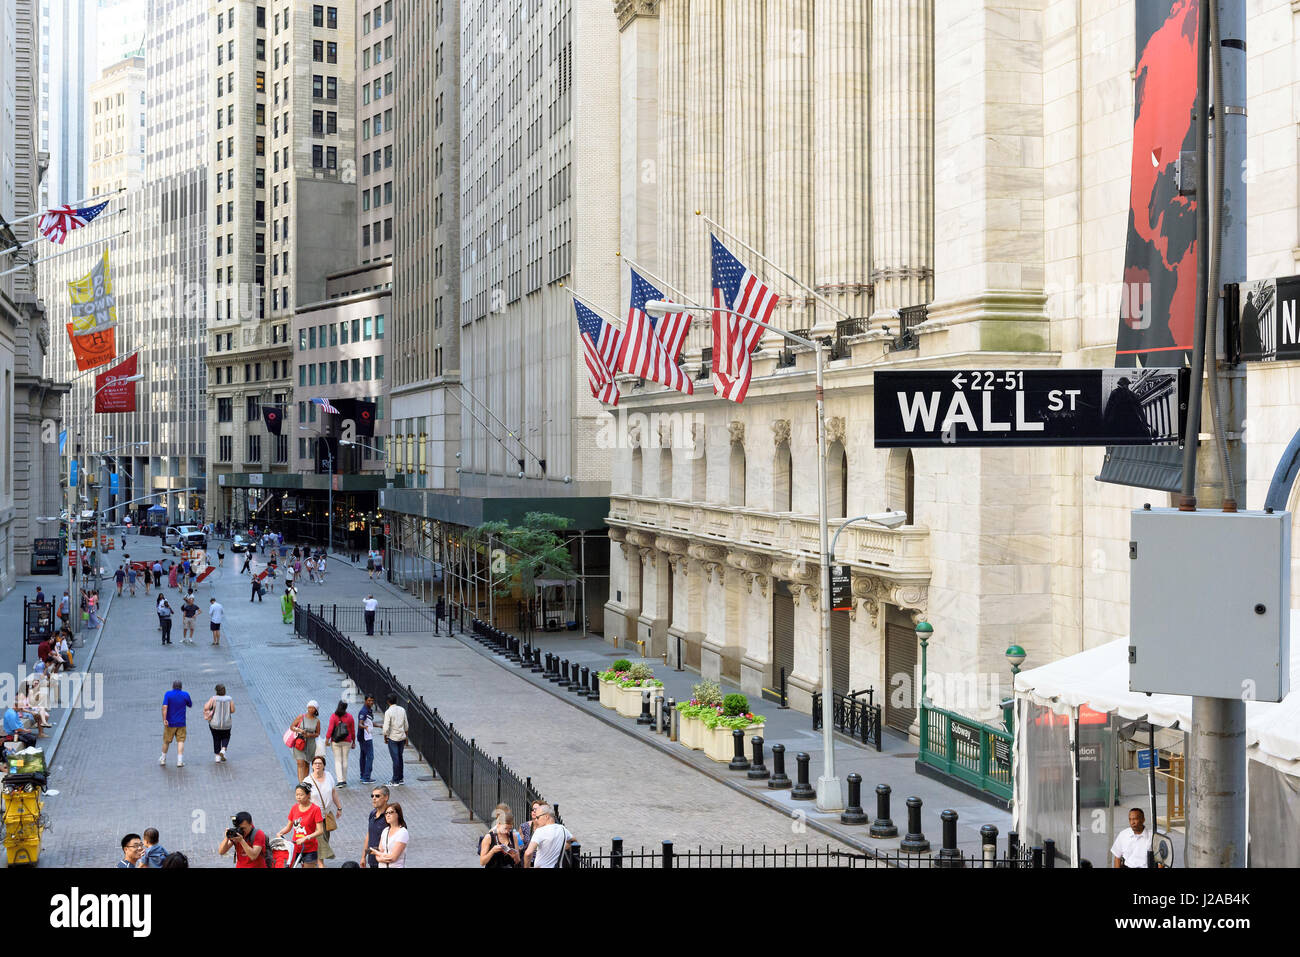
(249, 843)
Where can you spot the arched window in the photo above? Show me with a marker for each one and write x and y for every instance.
(635, 484)
(665, 473)
(700, 474)
(737, 495)
(782, 484)
(901, 479)
(837, 481)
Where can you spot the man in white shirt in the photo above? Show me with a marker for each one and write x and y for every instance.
(549, 841)
(216, 615)
(370, 604)
(1131, 847)
(395, 737)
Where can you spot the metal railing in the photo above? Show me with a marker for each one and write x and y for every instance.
(851, 715)
(350, 619)
(975, 753)
(844, 330)
(480, 781)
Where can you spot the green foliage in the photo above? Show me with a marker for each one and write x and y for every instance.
(735, 704)
(640, 671)
(706, 693)
(621, 665)
(532, 550)
(712, 719)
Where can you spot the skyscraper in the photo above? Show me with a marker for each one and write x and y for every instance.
(69, 64)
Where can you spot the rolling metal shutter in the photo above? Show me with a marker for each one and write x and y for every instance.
(900, 673)
(840, 652)
(782, 633)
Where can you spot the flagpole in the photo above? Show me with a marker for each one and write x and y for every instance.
(78, 204)
(686, 300)
(66, 252)
(39, 238)
(806, 288)
(497, 420)
(595, 308)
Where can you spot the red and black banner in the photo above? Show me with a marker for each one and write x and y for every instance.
(111, 393)
(362, 414)
(273, 416)
(1158, 311)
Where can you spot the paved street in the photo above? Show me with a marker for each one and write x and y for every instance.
(106, 768)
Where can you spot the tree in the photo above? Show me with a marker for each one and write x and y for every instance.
(529, 551)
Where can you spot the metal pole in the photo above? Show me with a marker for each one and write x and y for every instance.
(67, 252)
(828, 785)
(1216, 766)
(582, 550)
(329, 515)
(490, 589)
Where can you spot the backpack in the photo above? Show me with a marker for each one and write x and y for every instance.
(340, 731)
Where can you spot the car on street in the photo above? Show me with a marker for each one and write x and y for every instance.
(240, 544)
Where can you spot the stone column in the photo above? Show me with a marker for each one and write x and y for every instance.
(706, 129)
(787, 193)
(756, 619)
(675, 205)
(638, 133)
(618, 609)
(652, 622)
(902, 100)
(807, 648)
(744, 146)
(841, 55)
(715, 617)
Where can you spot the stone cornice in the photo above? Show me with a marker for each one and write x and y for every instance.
(628, 11)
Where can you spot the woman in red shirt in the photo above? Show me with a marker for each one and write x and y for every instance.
(342, 736)
(307, 824)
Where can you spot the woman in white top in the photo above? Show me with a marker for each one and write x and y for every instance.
(391, 851)
(323, 796)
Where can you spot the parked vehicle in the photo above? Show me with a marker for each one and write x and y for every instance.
(184, 536)
(240, 544)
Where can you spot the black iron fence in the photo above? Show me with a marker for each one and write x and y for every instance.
(851, 715)
(479, 780)
(351, 619)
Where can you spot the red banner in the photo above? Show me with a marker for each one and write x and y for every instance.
(92, 349)
(112, 395)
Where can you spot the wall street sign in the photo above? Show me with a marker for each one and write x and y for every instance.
(1030, 407)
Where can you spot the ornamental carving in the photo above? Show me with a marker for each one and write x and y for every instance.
(737, 431)
(796, 571)
(617, 533)
(634, 435)
(763, 581)
(706, 553)
(671, 546)
(781, 432)
(835, 430)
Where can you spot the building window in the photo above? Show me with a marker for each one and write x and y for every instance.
(365, 328)
(261, 146)
(224, 445)
(331, 88)
(332, 18)
(334, 373)
(331, 157)
(331, 122)
(365, 235)
(317, 85)
(379, 326)
(317, 156)
(379, 367)
(343, 372)
(261, 17)
(261, 48)
(253, 448)
(318, 50)
(224, 410)
(365, 367)
(317, 16)
(261, 82)
(252, 408)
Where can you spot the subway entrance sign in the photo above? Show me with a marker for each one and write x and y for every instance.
(1030, 407)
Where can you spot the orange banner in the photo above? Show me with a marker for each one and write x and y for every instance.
(92, 349)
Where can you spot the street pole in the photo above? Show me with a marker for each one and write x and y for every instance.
(829, 797)
(1216, 769)
(491, 603)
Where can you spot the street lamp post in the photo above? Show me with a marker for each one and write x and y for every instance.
(829, 797)
(1016, 655)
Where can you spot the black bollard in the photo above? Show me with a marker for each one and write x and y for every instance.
(803, 791)
(1049, 852)
(593, 692)
(580, 684)
(564, 673)
(616, 853)
(989, 844)
(645, 709)
(759, 771)
(546, 669)
(537, 668)
(739, 762)
(949, 856)
(779, 779)
(1013, 849)
(883, 825)
(670, 707)
(853, 813)
(1036, 858)
(914, 841)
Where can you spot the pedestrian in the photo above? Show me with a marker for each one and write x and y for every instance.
(323, 795)
(92, 609)
(320, 569)
(289, 574)
(311, 570)
(307, 824)
(165, 619)
(550, 840)
(370, 565)
(174, 860)
(342, 736)
(131, 576)
(393, 840)
(308, 727)
(248, 561)
(370, 605)
(375, 824)
(500, 845)
(40, 595)
(173, 573)
(286, 606)
(16, 732)
(132, 848)
(439, 610)
(219, 711)
(174, 704)
(221, 555)
(216, 615)
(119, 577)
(157, 574)
(257, 590)
(248, 842)
(189, 611)
(1131, 846)
(395, 727)
(63, 651)
(365, 737)
(191, 571)
(152, 853)
(65, 608)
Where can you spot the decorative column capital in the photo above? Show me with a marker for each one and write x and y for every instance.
(628, 11)
(835, 430)
(736, 430)
(781, 432)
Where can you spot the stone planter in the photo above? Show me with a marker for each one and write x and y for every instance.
(718, 742)
(607, 692)
(628, 700)
(691, 732)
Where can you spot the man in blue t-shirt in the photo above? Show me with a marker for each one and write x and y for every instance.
(174, 704)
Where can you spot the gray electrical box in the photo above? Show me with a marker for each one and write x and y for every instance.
(1210, 603)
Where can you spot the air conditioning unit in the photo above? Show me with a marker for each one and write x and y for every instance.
(552, 624)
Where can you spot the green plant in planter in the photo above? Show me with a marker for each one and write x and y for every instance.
(621, 665)
(735, 704)
(706, 693)
(640, 672)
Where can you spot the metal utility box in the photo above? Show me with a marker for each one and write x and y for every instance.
(1210, 603)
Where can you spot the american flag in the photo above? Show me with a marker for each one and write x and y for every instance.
(600, 346)
(671, 329)
(326, 406)
(643, 352)
(734, 337)
(56, 223)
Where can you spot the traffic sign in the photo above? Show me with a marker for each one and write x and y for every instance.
(1030, 407)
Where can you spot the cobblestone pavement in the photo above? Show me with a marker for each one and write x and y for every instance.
(607, 785)
(106, 771)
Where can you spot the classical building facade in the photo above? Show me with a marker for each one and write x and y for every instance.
(115, 128)
(953, 179)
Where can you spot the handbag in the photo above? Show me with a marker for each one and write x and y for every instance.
(330, 823)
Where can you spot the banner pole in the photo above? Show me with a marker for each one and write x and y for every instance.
(66, 252)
